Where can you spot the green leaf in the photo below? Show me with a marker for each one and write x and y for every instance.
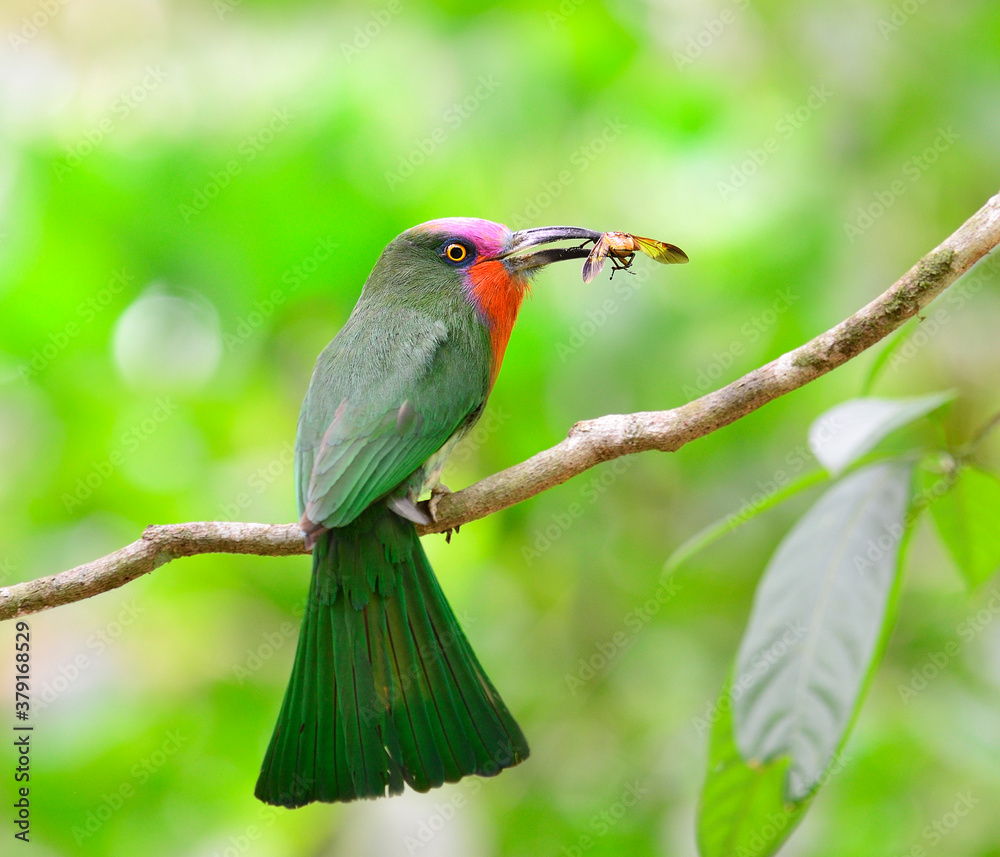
(844, 433)
(742, 811)
(816, 622)
(967, 519)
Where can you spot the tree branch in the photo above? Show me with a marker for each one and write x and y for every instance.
(587, 444)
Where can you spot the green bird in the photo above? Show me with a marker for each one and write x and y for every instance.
(385, 688)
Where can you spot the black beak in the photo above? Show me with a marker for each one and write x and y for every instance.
(546, 235)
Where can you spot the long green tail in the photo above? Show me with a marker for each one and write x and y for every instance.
(385, 688)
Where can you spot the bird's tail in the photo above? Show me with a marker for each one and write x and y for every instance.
(385, 688)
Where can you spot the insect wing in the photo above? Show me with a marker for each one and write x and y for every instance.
(660, 250)
(595, 261)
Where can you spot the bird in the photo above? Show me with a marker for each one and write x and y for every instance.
(385, 689)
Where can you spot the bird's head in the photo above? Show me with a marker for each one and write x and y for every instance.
(486, 261)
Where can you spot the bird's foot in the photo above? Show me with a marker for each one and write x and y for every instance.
(437, 492)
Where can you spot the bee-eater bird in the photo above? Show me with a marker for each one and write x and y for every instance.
(385, 688)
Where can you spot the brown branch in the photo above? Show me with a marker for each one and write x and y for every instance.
(588, 443)
(158, 545)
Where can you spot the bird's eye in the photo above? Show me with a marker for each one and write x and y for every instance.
(456, 252)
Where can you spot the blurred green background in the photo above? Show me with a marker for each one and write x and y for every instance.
(191, 195)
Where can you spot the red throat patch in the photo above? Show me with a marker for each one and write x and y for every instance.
(498, 297)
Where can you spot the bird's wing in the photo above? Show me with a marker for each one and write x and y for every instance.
(362, 433)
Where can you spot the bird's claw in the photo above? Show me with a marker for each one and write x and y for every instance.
(437, 492)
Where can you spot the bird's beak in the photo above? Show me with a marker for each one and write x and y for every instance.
(546, 235)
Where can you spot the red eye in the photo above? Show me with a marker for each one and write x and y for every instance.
(456, 252)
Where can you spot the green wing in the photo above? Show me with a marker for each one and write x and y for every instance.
(383, 399)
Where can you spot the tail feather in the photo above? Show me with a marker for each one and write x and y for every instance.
(414, 717)
(467, 706)
(355, 698)
(385, 688)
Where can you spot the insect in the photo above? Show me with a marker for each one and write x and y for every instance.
(622, 247)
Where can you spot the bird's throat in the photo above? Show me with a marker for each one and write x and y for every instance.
(497, 296)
